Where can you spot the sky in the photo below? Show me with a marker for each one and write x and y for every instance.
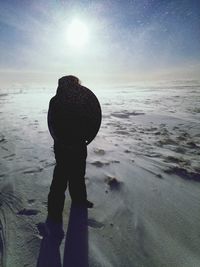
(128, 41)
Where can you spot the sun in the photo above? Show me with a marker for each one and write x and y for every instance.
(77, 33)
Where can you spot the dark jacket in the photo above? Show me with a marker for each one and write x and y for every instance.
(74, 115)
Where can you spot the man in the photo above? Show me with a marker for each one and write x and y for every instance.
(74, 119)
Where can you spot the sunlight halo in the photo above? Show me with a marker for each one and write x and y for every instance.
(77, 33)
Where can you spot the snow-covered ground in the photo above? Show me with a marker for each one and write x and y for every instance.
(143, 174)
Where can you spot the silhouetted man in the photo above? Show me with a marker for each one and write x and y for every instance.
(74, 119)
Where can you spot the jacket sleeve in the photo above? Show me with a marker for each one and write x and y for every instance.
(51, 120)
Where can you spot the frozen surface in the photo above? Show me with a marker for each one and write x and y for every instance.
(143, 174)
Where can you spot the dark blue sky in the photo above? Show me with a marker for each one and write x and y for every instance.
(130, 40)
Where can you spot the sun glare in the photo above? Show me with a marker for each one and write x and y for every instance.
(77, 33)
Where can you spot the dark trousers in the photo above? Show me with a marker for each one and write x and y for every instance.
(70, 169)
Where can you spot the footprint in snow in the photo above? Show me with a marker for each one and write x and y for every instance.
(95, 224)
(28, 212)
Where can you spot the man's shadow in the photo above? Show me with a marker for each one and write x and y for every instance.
(76, 243)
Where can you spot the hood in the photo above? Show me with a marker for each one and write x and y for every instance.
(65, 84)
